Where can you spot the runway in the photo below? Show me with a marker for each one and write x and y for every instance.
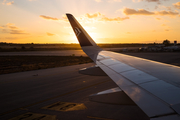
(46, 53)
(57, 53)
(47, 94)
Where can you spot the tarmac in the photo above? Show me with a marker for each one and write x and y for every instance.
(56, 53)
(59, 94)
(63, 94)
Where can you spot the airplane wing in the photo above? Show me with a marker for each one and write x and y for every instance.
(153, 86)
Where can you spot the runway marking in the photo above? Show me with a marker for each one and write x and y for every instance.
(65, 106)
(34, 116)
(98, 118)
(10, 111)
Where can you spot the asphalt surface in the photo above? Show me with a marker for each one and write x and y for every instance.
(56, 53)
(46, 53)
(49, 94)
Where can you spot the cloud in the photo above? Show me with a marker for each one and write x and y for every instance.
(158, 18)
(7, 3)
(168, 8)
(98, 0)
(50, 34)
(129, 11)
(167, 30)
(101, 17)
(152, 0)
(9, 24)
(64, 18)
(164, 13)
(136, 1)
(10, 38)
(163, 7)
(157, 1)
(108, 0)
(146, 0)
(17, 32)
(10, 3)
(114, 1)
(93, 15)
(177, 5)
(5, 31)
(163, 25)
(47, 17)
(11, 29)
(118, 19)
(156, 7)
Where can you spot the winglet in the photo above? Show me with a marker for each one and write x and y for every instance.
(82, 36)
(87, 43)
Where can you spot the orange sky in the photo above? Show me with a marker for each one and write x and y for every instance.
(107, 21)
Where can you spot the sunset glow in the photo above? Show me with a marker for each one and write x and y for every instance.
(107, 21)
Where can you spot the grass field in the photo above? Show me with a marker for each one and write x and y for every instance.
(11, 64)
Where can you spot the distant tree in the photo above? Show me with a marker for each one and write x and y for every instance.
(23, 47)
(166, 42)
(3, 43)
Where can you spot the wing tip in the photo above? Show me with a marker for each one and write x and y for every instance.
(68, 14)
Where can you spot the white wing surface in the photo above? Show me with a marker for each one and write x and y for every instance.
(153, 86)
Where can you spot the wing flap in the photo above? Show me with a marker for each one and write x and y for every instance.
(149, 103)
(151, 87)
(166, 92)
(112, 96)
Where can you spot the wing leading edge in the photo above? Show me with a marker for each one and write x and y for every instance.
(154, 94)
